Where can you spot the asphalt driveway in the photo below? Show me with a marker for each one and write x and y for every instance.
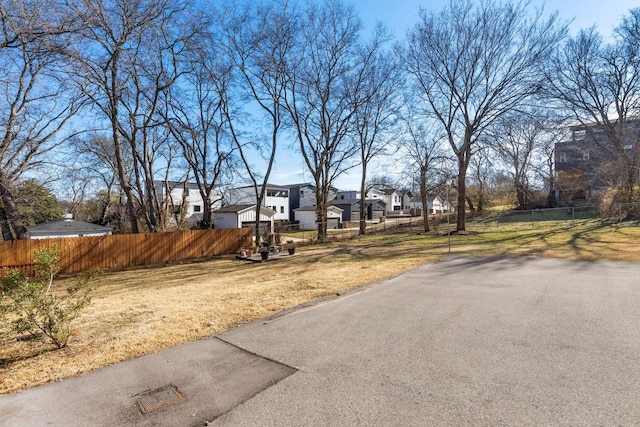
(468, 341)
(465, 341)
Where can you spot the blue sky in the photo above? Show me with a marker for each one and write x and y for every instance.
(399, 15)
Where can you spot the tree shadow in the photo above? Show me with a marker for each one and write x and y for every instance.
(7, 362)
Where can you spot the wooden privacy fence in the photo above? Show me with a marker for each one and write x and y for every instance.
(80, 254)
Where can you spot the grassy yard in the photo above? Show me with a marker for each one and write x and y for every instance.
(142, 311)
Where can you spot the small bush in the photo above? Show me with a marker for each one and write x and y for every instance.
(29, 307)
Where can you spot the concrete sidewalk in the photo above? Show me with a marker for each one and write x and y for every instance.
(474, 341)
(189, 384)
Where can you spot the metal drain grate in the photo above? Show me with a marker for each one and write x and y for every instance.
(156, 399)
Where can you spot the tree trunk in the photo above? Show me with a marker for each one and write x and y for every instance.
(463, 163)
(10, 218)
(520, 195)
(425, 199)
(4, 225)
(115, 130)
(631, 182)
(124, 182)
(322, 194)
(363, 203)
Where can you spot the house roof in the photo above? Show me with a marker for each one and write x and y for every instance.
(336, 202)
(302, 184)
(313, 208)
(66, 226)
(239, 208)
(281, 187)
(306, 185)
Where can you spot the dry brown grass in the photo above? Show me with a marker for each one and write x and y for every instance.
(145, 310)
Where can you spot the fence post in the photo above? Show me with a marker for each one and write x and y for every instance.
(620, 212)
(532, 219)
(573, 215)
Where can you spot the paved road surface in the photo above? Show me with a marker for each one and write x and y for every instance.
(466, 341)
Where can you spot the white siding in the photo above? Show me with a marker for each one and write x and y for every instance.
(236, 219)
(195, 203)
(306, 219)
(393, 202)
(279, 203)
(241, 196)
(225, 220)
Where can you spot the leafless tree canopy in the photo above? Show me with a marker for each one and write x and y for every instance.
(473, 63)
(36, 101)
(598, 82)
(125, 93)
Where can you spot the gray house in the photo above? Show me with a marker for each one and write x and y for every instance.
(66, 227)
(351, 209)
(304, 195)
(584, 163)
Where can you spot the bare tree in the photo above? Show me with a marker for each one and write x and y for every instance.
(125, 59)
(517, 137)
(377, 112)
(482, 173)
(36, 101)
(258, 39)
(421, 146)
(96, 166)
(195, 112)
(555, 131)
(599, 83)
(325, 76)
(474, 62)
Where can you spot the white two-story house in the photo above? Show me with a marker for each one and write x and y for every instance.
(276, 198)
(393, 200)
(185, 197)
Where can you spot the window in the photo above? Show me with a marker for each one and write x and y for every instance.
(197, 208)
(281, 209)
(277, 193)
(585, 155)
(562, 156)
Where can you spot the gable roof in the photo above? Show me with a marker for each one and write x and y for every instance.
(313, 208)
(271, 186)
(338, 202)
(239, 208)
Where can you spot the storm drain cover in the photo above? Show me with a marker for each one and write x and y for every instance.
(156, 399)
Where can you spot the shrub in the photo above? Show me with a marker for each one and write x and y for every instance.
(29, 307)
